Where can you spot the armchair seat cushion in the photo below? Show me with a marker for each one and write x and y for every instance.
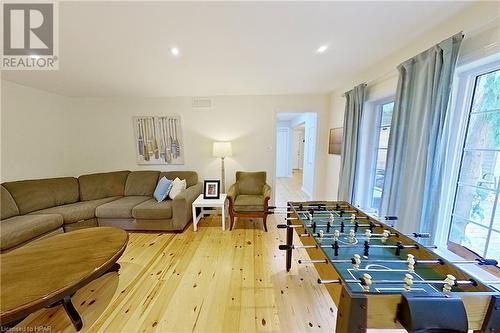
(121, 208)
(77, 211)
(19, 229)
(153, 210)
(249, 203)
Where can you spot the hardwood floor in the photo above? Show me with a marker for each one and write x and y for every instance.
(205, 281)
(290, 189)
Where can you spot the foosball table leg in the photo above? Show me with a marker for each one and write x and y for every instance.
(491, 322)
(351, 315)
(289, 242)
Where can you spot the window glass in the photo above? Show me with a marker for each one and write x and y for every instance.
(378, 174)
(475, 219)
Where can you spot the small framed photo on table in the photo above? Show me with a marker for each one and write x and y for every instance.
(211, 189)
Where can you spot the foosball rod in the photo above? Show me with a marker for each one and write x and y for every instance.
(285, 226)
(481, 262)
(329, 246)
(326, 218)
(328, 236)
(366, 246)
(317, 206)
(443, 282)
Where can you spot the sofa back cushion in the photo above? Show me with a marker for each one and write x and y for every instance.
(8, 207)
(36, 194)
(141, 182)
(102, 185)
(250, 183)
(191, 177)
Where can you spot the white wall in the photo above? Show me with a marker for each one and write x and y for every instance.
(480, 23)
(36, 134)
(72, 136)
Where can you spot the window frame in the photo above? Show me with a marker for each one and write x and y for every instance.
(463, 91)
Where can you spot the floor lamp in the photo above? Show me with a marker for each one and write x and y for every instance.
(222, 150)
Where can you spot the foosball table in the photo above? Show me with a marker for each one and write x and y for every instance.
(380, 278)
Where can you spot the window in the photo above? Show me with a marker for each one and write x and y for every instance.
(378, 174)
(475, 220)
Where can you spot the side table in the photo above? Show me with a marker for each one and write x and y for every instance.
(213, 204)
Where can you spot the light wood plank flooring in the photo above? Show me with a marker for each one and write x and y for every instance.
(205, 281)
(290, 189)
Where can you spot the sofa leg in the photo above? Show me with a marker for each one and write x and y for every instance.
(264, 221)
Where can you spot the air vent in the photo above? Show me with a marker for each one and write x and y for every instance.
(202, 103)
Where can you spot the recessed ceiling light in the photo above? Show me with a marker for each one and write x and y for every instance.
(175, 51)
(322, 48)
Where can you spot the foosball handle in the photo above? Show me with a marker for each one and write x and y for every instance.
(421, 235)
(390, 218)
(285, 247)
(487, 262)
(282, 226)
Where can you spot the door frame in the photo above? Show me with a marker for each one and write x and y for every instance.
(315, 159)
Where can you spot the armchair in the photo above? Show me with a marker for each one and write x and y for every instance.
(249, 196)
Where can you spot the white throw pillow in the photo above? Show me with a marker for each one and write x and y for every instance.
(177, 187)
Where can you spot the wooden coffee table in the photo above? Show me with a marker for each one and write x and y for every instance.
(48, 272)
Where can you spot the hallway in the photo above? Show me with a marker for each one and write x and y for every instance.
(290, 189)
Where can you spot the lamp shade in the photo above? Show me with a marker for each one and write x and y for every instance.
(222, 149)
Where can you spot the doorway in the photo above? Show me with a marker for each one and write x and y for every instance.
(295, 156)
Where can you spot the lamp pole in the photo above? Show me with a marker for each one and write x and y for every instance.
(223, 176)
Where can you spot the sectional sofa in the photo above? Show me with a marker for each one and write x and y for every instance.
(31, 209)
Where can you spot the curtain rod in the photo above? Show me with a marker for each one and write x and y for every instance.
(378, 78)
(386, 74)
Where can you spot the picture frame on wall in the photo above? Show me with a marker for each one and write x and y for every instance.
(211, 189)
(335, 141)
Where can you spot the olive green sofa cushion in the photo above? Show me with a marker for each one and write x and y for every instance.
(8, 207)
(249, 203)
(250, 183)
(102, 185)
(20, 229)
(153, 210)
(77, 211)
(191, 177)
(37, 194)
(141, 183)
(121, 208)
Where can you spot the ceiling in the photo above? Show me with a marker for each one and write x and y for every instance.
(226, 48)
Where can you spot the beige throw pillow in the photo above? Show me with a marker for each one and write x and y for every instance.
(177, 187)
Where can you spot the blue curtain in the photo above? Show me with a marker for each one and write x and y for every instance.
(414, 169)
(355, 100)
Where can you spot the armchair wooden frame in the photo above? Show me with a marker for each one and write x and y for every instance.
(257, 214)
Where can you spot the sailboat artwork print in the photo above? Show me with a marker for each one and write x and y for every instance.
(158, 140)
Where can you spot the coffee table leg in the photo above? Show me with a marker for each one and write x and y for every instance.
(72, 313)
(115, 268)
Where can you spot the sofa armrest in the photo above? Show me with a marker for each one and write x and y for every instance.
(182, 205)
(267, 191)
(233, 191)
